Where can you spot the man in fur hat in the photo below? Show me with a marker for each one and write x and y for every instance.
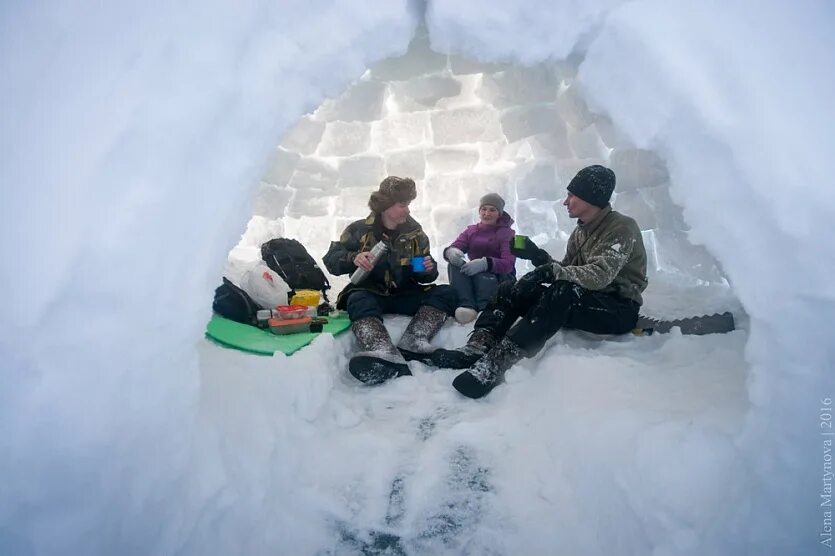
(596, 287)
(392, 285)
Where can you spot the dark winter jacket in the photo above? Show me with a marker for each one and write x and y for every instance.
(393, 274)
(481, 240)
(607, 255)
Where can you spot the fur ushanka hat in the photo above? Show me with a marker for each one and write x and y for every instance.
(392, 190)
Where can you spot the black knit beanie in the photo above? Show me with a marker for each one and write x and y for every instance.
(593, 184)
(392, 190)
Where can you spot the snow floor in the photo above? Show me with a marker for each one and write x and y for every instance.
(579, 452)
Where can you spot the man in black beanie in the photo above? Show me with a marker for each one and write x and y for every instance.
(596, 287)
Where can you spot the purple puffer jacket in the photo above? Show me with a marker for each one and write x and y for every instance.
(493, 242)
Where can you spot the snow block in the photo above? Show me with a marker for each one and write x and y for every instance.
(364, 102)
(451, 159)
(609, 134)
(482, 183)
(544, 145)
(281, 166)
(524, 121)
(406, 163)
(465, 125)
(353, 202)
(675, 254)
(448, 222)
(520, 85)
(637, 168)
(304, 137)
(573, 109)
(668, 215)
(537, 180)
(364, 171)
(316, 174)
(400, 131)
(309, 202)
(586, 143)
(423, 93)
(271, 201)
(634, 205)
(345, 139)
(536, 218)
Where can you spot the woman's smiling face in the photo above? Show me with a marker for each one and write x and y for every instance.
(488, 214)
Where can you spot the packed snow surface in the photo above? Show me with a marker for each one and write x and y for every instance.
(137, 141)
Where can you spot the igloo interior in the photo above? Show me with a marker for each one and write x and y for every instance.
(140, 141)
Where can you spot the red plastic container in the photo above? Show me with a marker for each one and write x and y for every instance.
(289, 312)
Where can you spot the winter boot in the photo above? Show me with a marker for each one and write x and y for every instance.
(379, 360)
(479, 343)
(414, 344)
(488, 371)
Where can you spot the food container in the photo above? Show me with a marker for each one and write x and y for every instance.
(288, 312)
(306, 297)
(290, 326)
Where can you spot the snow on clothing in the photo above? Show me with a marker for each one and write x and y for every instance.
(597, 287)
(393, 274)
(491, 241)
(607, 255)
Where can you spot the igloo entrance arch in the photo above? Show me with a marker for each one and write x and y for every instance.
(461, 128)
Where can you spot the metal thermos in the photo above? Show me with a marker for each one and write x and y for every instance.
(377, 253)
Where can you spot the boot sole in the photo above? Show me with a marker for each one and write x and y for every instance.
(373, 370)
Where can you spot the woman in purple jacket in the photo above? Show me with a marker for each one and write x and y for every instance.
(487, 245)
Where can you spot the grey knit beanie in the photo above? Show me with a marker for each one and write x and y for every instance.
(492, 199)
(593, 184)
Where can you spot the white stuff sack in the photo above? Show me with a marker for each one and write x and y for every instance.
(266, 287)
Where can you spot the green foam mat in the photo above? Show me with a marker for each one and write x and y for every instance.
(263, 342)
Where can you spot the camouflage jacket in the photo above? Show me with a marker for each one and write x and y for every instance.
(393, 274)
(607, 255)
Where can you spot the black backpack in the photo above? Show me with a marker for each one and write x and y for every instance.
(233, 303)
(294, 264)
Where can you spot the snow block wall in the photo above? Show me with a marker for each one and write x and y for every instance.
(461, 129)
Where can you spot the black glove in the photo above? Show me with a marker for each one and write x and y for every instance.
(530, 252)
(546, 273)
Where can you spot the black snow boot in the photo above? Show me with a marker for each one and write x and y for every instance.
(379, 360)
(414, 344)
(479, 343)
(488, 371)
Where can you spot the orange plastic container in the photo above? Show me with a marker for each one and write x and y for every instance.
(289, 326)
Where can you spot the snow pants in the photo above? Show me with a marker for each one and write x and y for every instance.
(546, 309)
(476, 291)
(363, 303)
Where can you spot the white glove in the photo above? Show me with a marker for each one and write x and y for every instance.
(455, 256)
(474, 267)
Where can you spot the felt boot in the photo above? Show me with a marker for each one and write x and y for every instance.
(414, 344)
(488, 371)
(379, 360)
